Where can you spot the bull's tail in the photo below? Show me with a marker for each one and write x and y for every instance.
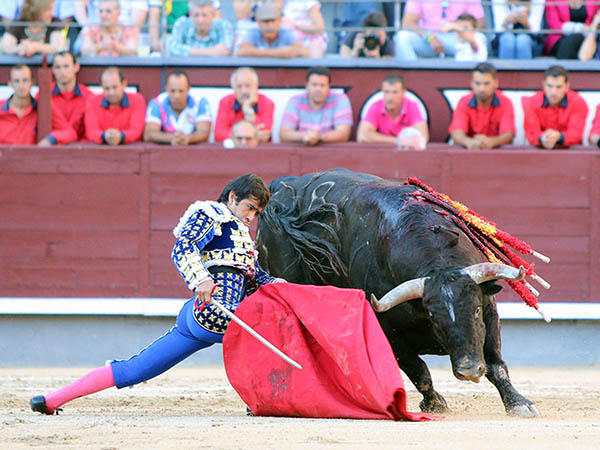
(312, 233)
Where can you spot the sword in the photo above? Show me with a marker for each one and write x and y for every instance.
(247, 327)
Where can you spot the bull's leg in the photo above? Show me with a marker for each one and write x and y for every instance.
(497, 371)
(418, 372)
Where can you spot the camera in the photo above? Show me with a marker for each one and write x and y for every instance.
(372, 41)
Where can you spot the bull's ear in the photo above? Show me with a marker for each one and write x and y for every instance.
(490, 287)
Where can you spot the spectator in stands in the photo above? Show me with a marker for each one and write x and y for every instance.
(68, 96)
(572, 17)
(387, 117)
(131, 12)
(589, 47)
(317, 115)
(270, 39)
(484, 118)
(372, 43)
(111, 38)
(244, 19)
(426, 27)
(201, 34)
(87, 13)
(472, 45)
(411, 139)
(175, 117)
(245, 103)
(18, 113)
(173, 10)
(244, 134)
(511, 18)
(39, 36)
(556, 116)
(114, 117)
(10, 10)
(19, 117)
(305, 17)
(594, 137)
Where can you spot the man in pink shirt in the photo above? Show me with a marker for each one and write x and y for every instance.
(388, 116)
(428, 28)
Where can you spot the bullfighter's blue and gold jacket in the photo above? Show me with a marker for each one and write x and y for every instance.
(209, 235)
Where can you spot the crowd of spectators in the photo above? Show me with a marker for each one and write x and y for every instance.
(554, 117)
(471, 30)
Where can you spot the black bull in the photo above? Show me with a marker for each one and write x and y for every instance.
(360, 231)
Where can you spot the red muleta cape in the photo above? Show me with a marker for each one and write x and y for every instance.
(349, 370)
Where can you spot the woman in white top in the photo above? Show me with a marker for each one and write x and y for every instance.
(513, 15)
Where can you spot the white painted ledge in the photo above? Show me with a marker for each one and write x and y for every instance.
(169, 307)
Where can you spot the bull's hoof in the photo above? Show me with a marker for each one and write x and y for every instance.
(524, 410)
(434, 405)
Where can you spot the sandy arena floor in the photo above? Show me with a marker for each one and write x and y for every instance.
(193, 408)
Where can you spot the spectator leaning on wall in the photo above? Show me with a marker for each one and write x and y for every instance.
(317, 115)
(39, 36)
(115, 116)
(111, 37)
(556, 116)
(18, 114)
(68, 96)
(245, 103)
(484, 118)
(270, 39)
(175, 117)
(201, 34)
(388, 116)
(595, 130)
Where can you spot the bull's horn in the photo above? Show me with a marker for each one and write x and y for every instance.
(402, 293)
(480, 273)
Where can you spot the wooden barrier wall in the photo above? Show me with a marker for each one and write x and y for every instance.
(91, 221)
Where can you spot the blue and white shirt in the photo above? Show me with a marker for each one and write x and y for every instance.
(159, 111)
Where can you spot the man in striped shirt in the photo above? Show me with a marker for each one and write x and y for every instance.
(317, 115)
(201, 34)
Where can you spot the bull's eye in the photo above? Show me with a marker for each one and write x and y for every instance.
(478, 311)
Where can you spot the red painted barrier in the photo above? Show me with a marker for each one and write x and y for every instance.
(91, 221)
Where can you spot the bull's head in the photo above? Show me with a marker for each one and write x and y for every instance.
(454, 301)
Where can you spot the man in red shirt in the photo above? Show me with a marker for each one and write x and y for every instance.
(68, 96)
(114, 117)
(18, 114)
(594, 136)
(554, 117)
(484, 118)
(244, 104)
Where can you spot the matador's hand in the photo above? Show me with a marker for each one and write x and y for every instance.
(205, 290)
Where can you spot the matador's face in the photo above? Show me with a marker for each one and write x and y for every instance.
(247, 209)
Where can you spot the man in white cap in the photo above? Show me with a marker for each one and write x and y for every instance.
(269, 40)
